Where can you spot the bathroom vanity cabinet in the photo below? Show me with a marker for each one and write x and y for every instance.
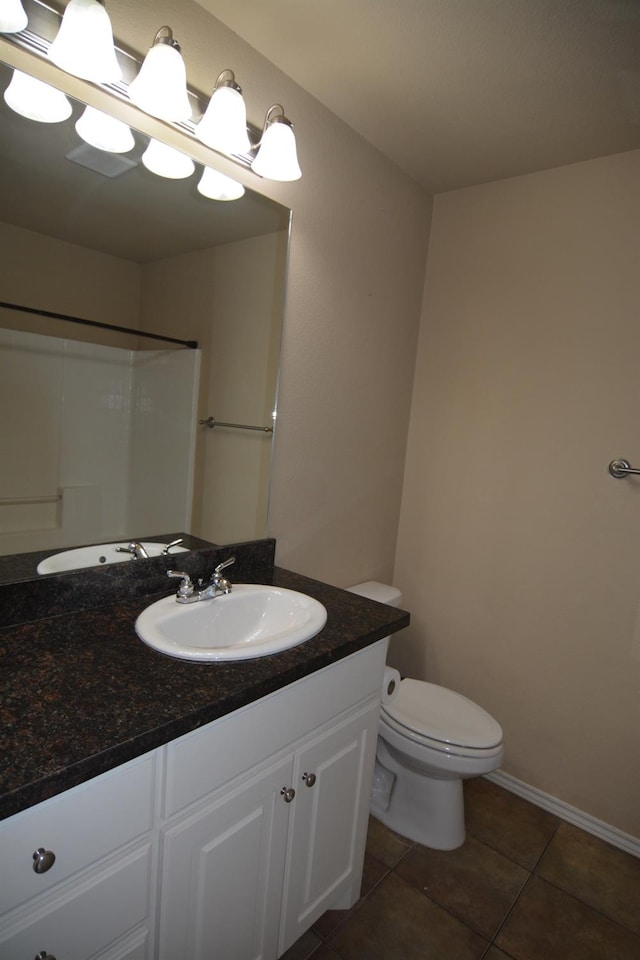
(229, 841)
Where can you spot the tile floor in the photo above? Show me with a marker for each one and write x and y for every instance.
(524, 886)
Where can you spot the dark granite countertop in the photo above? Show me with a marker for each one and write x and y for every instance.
(80, 693)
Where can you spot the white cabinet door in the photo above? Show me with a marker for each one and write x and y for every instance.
(222, 873)
(332, 779)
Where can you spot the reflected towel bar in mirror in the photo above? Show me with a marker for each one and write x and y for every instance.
(621, 468)
(212, 422)
(18, 501)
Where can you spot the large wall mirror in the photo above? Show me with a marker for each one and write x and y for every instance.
(101, 436)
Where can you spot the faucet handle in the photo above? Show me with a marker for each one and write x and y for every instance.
(186, 587)
(174, 543)
(218, 580)
(222, 566)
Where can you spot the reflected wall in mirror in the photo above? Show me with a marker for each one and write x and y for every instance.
(103, 425)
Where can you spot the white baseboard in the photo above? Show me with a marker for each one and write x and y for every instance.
(566, 812)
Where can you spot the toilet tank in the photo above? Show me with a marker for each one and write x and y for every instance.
(381, 592)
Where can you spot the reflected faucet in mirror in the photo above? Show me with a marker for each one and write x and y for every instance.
(138, 551)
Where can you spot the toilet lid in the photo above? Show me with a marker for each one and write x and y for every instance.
(442, 715)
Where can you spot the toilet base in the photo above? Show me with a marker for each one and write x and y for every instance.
(423, 809)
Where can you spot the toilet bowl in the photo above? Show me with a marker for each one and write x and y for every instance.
(430, 739)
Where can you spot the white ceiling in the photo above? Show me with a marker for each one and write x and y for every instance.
(459, 92)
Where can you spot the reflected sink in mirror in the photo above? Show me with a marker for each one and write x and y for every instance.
(102, 553)
(253, 620)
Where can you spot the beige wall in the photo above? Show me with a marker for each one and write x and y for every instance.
(43, 272)
(229, 299)
(248, 278)
(353, 300)
(518, 555)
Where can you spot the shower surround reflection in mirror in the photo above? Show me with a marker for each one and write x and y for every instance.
(96, 445)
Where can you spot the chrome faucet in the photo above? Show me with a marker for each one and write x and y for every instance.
(136, 550)
(217, 586)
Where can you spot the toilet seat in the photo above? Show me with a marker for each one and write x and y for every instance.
(441, 719)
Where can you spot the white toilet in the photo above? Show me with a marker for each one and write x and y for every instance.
(429, 740)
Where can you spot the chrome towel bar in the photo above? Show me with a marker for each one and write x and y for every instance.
(16, 501)
(621, 468)
(212, 422)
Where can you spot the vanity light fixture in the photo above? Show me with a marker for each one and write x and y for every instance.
(36, 100)
(216, 186)
(104, 132)
(277, 158)
(224, 124)
(166, 161)
(83, 45)
(160, 88)
(13, 18)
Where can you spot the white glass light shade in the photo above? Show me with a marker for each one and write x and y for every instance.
(167, 162)
(84, 43)
(224, 124)
(36, 100)
(160, 89)
(216, 186)
(13, 19)
(277, 158)
(104, 132)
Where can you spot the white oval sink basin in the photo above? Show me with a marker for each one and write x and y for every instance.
(99, 553)
(252, 621)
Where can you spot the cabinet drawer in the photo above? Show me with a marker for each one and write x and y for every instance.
(80, 827)
(204, 760)
(90, 919)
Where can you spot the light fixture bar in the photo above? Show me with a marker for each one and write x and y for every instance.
(38, 45)
(46, 20)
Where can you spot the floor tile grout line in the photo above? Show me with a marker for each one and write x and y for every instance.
(355, 908)
(571, 893)
(508, 856)
(534, 868)
(585, 903)
(505, 919)
(441, 906)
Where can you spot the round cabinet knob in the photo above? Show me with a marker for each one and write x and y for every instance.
(43, 860)
(309, 778)
(43, 955)
(288, 793)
